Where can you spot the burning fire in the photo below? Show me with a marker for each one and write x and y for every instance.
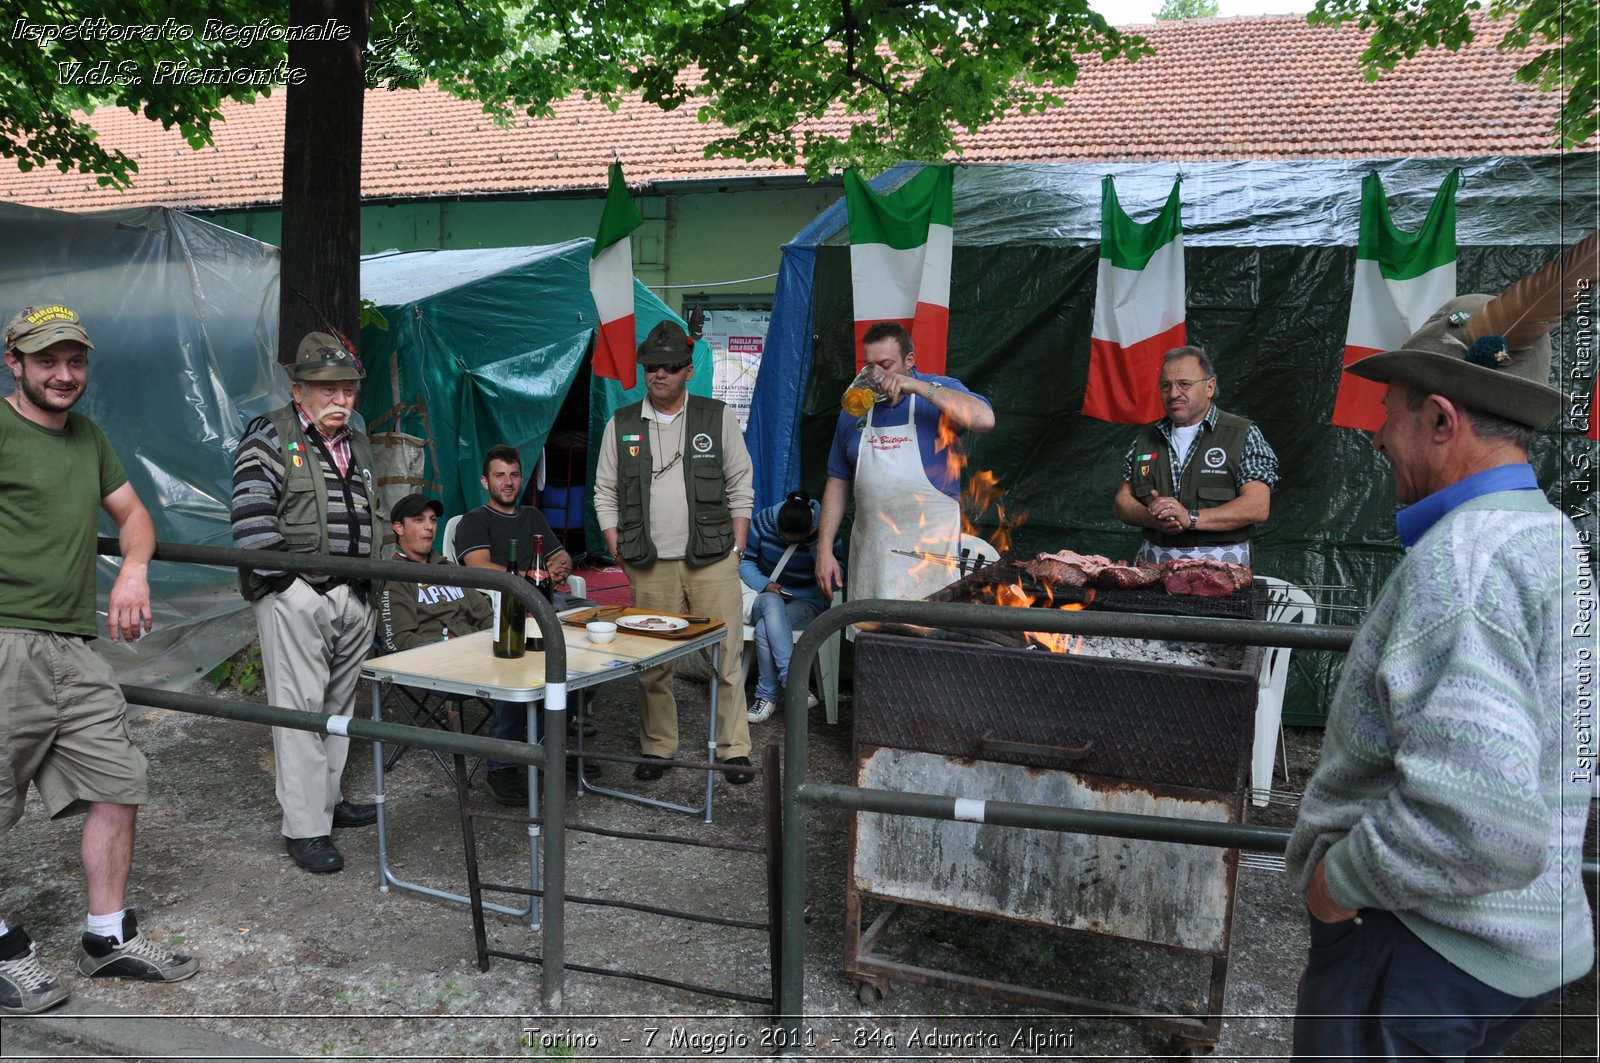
(1013, 595)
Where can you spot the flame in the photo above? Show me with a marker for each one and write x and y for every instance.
(1013, 595)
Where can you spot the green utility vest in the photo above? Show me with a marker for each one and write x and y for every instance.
(1213, 477)
(710, 520)
(303, 506)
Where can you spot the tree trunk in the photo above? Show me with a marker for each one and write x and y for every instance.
(320, 280)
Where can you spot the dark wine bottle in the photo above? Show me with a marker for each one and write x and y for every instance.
(539, 576)
(509, 639)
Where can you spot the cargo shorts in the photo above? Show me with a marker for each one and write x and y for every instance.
(63, 727)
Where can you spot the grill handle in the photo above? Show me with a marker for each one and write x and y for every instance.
(991, 746)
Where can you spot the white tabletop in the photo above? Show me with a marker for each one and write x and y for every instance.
(467, 665)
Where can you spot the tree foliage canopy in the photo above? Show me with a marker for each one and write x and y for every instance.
(907, 74)
(1173, 10)
(1569, 66)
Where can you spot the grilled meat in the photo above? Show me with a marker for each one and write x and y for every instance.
(1204, 578)
(1128, 577)
(1066, 568)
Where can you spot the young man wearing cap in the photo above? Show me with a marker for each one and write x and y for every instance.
(62, 724)
(302, 483)
(1439, 843)
(1199, 480)
(673, 494)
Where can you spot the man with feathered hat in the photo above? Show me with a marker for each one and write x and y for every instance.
(1439, 843)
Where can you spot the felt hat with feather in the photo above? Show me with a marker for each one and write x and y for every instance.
(1492, 353)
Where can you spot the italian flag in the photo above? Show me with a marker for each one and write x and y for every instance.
(1138, 310)
(611, 282)
(900, 259)
(1401, 279)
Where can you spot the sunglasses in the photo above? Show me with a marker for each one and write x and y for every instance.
(675, 367)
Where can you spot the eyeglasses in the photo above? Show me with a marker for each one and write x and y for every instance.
(1181, 385)
(675, 367)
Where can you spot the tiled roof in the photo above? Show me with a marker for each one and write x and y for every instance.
(1233, 88)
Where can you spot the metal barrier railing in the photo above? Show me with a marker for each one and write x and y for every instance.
(798, 794)
(555, 701)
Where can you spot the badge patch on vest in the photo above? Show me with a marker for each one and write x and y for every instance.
(701, 443)
(298, 461)
(1216, 458)
(631, 439)
(633, 452)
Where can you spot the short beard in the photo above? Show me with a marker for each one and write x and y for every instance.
(43, 399)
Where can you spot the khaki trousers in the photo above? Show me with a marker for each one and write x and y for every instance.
(710, 591)
(312, 646)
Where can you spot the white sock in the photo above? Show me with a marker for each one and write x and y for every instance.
(3, 930)
(108, 926)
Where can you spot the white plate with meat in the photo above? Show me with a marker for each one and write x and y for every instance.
(653, 623)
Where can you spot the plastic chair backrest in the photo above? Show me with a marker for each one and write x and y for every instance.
(1286, 604)
(447, 541)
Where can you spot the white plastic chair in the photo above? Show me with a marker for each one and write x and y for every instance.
(447, 541)
(1286, 604)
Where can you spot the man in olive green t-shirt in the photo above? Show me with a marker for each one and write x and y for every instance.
(62, 716)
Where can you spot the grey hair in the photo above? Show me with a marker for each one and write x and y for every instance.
(1484, 425)
(1200, 355)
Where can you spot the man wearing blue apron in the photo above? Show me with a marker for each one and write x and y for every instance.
(907, 480)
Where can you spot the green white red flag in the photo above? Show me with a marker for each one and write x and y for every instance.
(1401, 279)
(1138, 310)
(611, 283)
(900, 247)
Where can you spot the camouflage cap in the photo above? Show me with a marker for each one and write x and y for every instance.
(322, 357)
(36, 327)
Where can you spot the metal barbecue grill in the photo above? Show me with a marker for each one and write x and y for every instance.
(991, 719)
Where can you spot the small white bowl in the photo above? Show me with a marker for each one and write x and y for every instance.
(600, 631)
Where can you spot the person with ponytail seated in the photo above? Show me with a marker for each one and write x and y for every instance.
(779, 570)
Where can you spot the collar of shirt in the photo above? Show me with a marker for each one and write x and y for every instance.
(1414, 521)
(1166, 427)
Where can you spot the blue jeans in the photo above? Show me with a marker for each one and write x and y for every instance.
(775, 622)
(509, 721)
(1372, 989)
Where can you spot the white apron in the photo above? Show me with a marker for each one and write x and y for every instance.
(898, 508)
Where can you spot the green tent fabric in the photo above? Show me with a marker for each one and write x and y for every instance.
(493, 340)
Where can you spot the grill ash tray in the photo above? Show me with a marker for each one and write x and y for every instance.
(1143, 722)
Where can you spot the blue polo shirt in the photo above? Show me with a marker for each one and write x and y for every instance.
(935, 462)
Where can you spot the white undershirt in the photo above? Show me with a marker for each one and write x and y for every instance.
(1182, 440)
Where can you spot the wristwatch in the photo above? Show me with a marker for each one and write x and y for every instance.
(933, 389)
(1194, 519)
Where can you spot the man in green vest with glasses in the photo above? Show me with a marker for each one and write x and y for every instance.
(302, 483)
(673, 492)
(1199, 480)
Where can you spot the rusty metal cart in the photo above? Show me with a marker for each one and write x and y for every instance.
(988, 722)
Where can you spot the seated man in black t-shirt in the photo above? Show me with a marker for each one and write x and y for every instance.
(484, 535)
(483, 540)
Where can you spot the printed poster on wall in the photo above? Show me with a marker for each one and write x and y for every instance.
(737, 338)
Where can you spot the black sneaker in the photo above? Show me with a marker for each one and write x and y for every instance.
(508, 786)
(135, 957)
(26, 988)
(739, 778)
(650, 772)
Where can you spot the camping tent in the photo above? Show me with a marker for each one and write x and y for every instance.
(492, 341)
(184, 318)
(1269, 252)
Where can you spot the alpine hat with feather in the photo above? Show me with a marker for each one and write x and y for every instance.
(1492, 353)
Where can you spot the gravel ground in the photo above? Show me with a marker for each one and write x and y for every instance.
(330, 967)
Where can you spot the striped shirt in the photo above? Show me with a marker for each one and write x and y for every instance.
(258, 478)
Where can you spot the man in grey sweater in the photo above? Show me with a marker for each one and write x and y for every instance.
(1440, 840)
